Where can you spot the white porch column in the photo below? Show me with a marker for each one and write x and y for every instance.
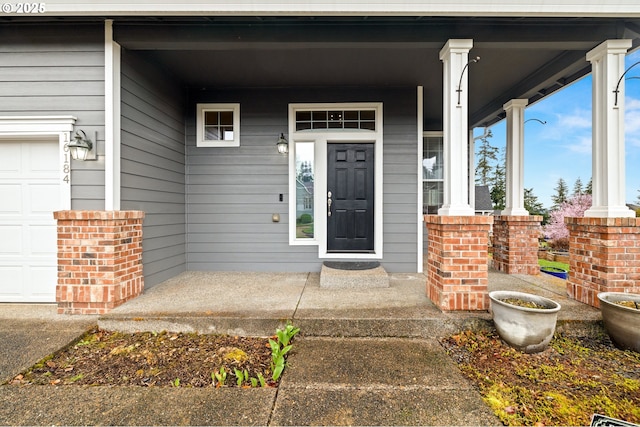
(454, 56)
(111, 119)
(607, 61)
(514, 196)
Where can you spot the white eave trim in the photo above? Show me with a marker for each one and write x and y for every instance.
(495, 8)
(36, 124)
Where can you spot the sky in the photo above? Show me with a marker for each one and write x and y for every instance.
(561, 148)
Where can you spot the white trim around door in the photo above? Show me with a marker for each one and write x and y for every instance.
(308, 147)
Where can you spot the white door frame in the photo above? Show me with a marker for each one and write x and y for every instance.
(321, 138)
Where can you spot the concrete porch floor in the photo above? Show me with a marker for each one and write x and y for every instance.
(255, 304)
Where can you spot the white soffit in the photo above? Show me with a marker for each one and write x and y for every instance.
(496, 8)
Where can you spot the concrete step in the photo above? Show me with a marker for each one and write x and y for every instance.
(256, 304)
(353, 275)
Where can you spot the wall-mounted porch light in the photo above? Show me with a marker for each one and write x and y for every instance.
(82, 148)
(615, 104)
(282, 145)
(459, 90)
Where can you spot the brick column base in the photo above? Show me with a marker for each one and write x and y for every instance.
(457, 263)
(604, 256)
(99, 260)
(515, 244)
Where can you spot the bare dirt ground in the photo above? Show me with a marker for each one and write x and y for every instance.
(148, 359)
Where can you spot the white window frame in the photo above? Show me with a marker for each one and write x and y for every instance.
(201, 109)
(322, 137)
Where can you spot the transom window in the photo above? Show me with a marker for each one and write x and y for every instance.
(336, 119)
(218, 125)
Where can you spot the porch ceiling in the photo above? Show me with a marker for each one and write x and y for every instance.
(520, 57)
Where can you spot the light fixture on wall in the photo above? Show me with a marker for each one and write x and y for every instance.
(282, 144)
(459, 90)
(615, 104)
(82, 148)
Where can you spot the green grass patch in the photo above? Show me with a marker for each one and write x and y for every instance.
(547, 263)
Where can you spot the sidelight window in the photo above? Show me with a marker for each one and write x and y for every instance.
(432, 173)
(305, 189)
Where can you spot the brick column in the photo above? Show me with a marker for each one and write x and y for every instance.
(99, 260)
(604, 256)
(457, 263)
(515, 244)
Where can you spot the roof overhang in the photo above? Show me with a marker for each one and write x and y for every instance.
(524, 56)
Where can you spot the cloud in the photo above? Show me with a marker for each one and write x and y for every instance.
(579, 119)
(583, 145)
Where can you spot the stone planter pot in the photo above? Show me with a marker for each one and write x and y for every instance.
(550, 256)
(542, 253)
(622, 323)
(527, 329)
(562, 257)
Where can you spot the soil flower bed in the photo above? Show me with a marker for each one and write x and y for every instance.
(155, 359)
(563, 385)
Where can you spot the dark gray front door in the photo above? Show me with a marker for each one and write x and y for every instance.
(350, 185)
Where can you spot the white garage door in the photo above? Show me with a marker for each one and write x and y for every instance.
(29, 193)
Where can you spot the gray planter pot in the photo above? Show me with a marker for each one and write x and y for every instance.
(527, 329)
(622, 323)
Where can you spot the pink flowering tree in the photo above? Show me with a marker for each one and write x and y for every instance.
(556, 230)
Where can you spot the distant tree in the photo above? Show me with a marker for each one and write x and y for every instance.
(574, 207)
(487, 156)
(577, 187)
(534, 206)
(638, 199)
(498, 184)
(589, 189)
(561, 194)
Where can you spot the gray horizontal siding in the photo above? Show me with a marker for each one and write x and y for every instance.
(232, 192)
(153, 164)
(58, 70)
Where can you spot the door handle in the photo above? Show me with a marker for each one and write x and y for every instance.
(329, 201)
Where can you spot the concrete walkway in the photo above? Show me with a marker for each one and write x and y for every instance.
(364, 357)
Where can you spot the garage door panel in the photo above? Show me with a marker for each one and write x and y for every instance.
(41, 277)
(11, 278)
(11, 242)
(39, 156)
(42, 240)
(11, 196)
(11, 159)
(43, 198)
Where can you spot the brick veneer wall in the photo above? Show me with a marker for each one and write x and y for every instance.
(99, 260)
(515, 244)
(604, 256)
(457, 264)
